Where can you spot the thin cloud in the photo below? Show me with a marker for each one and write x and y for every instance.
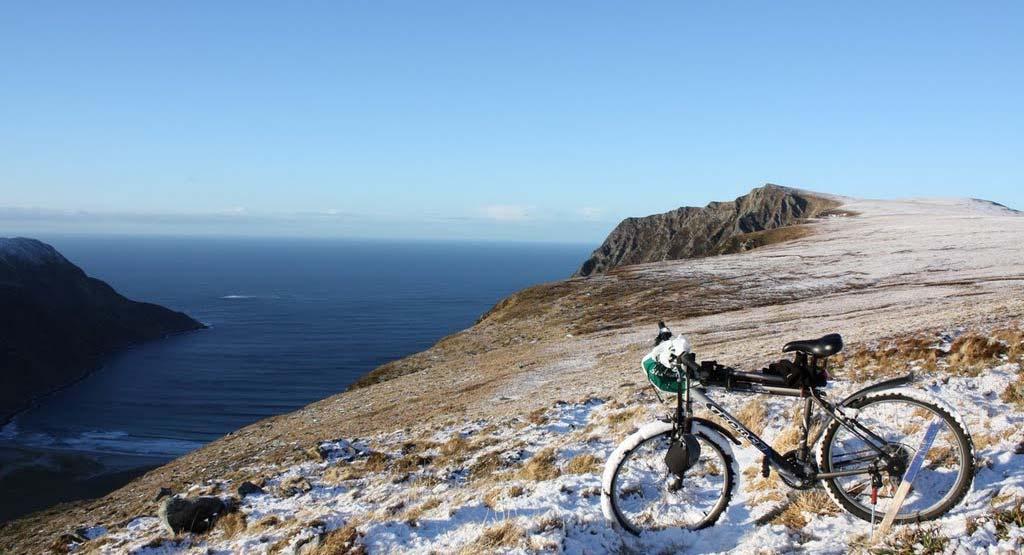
(234, 215)
(506, 212)
(590, 213)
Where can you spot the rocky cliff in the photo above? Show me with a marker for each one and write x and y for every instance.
(57, 323)
(718, 228)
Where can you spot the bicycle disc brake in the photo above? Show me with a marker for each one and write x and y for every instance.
(682, 454)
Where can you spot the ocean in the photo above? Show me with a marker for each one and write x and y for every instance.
(290, 321)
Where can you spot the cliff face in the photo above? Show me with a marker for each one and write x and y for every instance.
(718, 228)
(56, 323)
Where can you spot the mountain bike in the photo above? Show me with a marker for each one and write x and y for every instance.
(680, 471)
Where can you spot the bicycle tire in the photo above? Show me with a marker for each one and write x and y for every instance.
(923, 400)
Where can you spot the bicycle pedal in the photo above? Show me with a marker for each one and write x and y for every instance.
(765, 469)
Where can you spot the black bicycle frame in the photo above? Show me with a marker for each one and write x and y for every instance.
(684, 419)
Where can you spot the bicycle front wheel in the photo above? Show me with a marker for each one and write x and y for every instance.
(901, 419)
(640, 493)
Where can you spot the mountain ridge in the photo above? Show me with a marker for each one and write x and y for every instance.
(720, 227)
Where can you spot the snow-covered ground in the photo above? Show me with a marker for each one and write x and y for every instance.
(531, 484)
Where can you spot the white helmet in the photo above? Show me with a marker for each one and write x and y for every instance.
(668, 351)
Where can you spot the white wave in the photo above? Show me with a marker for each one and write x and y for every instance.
(9, 432)
(99, 441)
(236, 297)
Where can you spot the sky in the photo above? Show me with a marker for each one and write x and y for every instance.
(537, 121)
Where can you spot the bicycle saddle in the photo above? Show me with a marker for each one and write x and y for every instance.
(821, 347)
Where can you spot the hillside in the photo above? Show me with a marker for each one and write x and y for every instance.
(480, 443)
(57, 323)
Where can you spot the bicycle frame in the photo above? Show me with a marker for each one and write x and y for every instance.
(684, 415)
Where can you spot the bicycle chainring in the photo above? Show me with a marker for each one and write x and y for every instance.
(809, 468)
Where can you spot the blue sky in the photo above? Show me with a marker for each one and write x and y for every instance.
(491, 120)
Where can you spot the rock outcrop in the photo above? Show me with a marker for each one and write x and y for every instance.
(179, 514)
(718, 228)
(57, 323)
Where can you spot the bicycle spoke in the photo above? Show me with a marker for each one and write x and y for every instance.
(646, 495)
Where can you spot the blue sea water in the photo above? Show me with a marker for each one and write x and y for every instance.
(291, 321)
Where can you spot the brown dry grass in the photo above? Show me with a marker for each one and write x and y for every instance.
(376, 462)
(486, 466)
(548, 523)
(583, 464)
(1014, 392)
(454, 451)
(418, 446)
(411, 462)
(893, 357)
(268, 522)
(755, 239)
(788, 440)
(624, 422)
(538, 416)
(943, 456)
(339, 474)
(764, 490)
(294, 485)
(541, 466)
(232, 523)
(913, 540)
(506, 535)
(969, 354)
(1013, 336)
(343, 541)
(413, 514)
(492, 497)
(1008, 519)
(753, 415)
(626, 416)
(815, 502)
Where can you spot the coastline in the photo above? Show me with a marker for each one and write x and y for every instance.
(34, 401)
(69, 476)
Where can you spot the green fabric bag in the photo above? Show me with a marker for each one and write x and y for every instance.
(662, 377)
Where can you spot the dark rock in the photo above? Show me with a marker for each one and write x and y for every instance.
(198, 515)
(718, 228)
(248, 488)
(57, 323)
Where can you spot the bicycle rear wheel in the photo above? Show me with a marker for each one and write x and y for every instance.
(901, 418)
(640, 493)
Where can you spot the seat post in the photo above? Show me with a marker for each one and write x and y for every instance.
(806, 429)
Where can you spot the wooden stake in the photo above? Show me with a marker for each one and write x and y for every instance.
(908, 478)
